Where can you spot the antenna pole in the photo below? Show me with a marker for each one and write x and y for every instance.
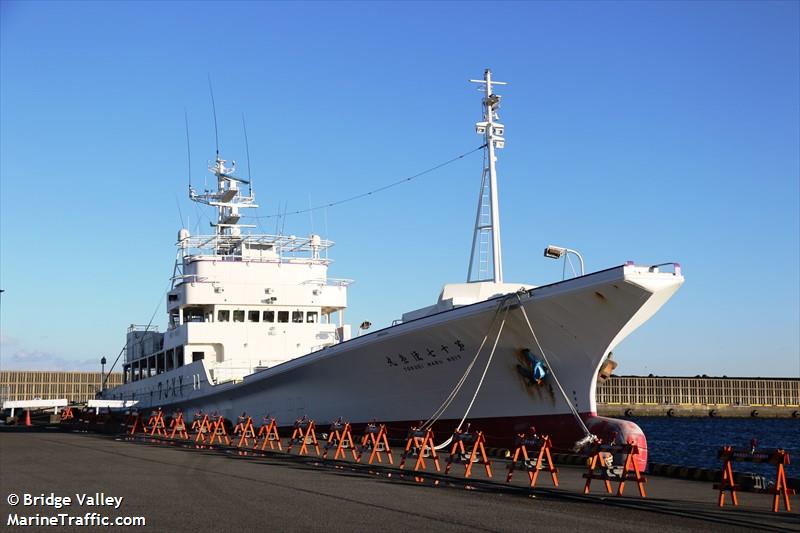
(188, 149)
(214, 110)
(247, 151)
(493, 134)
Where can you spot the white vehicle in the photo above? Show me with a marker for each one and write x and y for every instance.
(256, 326)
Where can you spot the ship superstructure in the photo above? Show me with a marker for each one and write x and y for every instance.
(255, 325)
(240, 301)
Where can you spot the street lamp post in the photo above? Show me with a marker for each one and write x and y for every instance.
(103, 373)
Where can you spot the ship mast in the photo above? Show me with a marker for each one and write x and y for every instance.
(487, 219)
(228, 200)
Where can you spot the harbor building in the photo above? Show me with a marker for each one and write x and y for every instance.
(49, 385)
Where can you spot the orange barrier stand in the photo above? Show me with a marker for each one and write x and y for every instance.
(269, 433)
(630, 469)
(422, 441)
(133, 423)
(155, 424)
(778, 457)
(67, 414)
(219, 432)
(178, 427)
(533, 466)
(477, 453)
(376, 440)
(727, 484)
(303, 432)
(202, 426)
(340, 434)
(245, 431)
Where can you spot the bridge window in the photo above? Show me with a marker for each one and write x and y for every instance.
(297, 316)
(283, 316)
(238, 315)
(269, 316)
(223, 316)
(311, 317)
(193, 314)
(197, 356)
(253, 316)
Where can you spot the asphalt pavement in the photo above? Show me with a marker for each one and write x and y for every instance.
(188, 489)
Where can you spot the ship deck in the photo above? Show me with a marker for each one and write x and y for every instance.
(185, 489)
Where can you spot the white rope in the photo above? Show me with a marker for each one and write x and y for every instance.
(483, 376)
(450, 397)
(588, 435)
(480, 383)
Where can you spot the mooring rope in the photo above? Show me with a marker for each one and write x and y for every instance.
(589, 437)
(450, 397)
(503, 306)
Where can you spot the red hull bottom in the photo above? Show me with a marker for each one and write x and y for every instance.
(563, 430)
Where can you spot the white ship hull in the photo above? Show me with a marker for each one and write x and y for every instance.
(401, 375)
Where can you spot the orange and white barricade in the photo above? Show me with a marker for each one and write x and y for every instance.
(341, 436)
(375, 440)
(778, 457)
(245, 431)
(201, 426)
(477, 452)
(630, 470)
(536, 464)
(420, 441)
(304, 432)
(268, 434)
(219, 432)
(133, 424)
(178, 427)
(156, 425)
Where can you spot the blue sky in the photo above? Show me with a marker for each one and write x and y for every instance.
(635, 130)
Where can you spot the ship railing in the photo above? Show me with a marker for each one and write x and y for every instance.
(332, 282)
(191, 278)
(141, 327)
(281, 244)
(676, 268)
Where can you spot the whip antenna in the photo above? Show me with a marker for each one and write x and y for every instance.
(247, 151)
(188, 148)
(214, 109)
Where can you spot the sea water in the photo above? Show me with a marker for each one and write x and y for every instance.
(696, 441)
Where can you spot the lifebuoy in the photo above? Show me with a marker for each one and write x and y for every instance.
(712, 413)
(629, 412)
(754, 413)
(670, 412)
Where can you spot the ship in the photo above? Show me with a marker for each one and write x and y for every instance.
(256, 326)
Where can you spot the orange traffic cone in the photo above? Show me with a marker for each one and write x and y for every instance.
(27, 418)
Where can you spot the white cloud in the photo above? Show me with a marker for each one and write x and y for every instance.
(22, 359)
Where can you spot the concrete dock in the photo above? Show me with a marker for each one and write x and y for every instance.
(188, 489)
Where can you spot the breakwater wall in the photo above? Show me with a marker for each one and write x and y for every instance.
(702, 396)
(721, 411)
